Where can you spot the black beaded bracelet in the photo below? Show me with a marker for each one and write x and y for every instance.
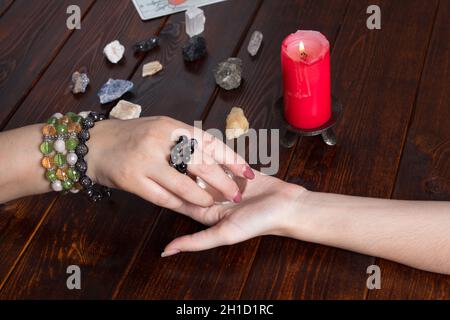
(94, 191)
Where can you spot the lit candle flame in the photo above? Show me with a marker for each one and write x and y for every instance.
(301, 47)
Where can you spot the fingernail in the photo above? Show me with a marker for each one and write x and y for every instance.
(248, 173)
(237, 198)
(169, 253)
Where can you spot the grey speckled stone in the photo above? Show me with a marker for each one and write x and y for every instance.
(228, 73)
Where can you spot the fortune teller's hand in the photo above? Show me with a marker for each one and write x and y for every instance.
(133, 155)
(265, 210)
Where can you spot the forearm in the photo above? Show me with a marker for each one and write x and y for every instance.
(415, 233)
(20, 171)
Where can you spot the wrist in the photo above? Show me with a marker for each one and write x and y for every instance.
(101, 142)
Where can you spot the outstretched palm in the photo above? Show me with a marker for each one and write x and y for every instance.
(266, 200)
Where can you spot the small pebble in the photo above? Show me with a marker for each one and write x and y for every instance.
(125, 110)
(80, 81)
(151, 68)
(146, 45)
(114, 51)
(194, 49)
(255, 43)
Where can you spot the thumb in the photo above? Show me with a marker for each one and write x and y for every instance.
(203, 240)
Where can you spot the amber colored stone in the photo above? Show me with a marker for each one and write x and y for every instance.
(74, 127)
(61, 174)
(49, 130)
(47, 162)
(64, 120)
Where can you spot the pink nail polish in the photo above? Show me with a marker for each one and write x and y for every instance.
(169, 253)
(237, 198)
(248, 173)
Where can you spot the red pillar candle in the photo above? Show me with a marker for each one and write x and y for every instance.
(305, 60)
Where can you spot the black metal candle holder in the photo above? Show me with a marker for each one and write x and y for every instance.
(289, 134)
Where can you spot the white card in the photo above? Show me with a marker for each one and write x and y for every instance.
(150, 9)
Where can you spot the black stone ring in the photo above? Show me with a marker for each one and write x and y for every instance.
(181, 153)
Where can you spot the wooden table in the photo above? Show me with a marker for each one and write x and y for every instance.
(394, 142)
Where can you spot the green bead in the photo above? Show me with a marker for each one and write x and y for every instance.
(73, 116)
(51, 175)
(46, 147)
(73, 174)
(52, 121)
(76, 118)
(67, 184)
(59, 159)
(61, 128)
(71, 144)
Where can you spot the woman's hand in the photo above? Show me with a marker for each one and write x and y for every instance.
(267, 207)
(133, 155)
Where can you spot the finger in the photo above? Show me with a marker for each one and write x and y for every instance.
(203, 240)
(203, 166)
(154, 193)
(223, 154)
(182, 186)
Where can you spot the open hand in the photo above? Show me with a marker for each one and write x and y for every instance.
(265, 210)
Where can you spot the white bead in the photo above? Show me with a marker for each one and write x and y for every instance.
(57, 186)
(84, 114)
(58, 115)
(74, 190)
(71, 158)
(59, 145)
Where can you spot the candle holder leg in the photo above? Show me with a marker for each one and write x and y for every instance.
(329, 137)
(290, 134)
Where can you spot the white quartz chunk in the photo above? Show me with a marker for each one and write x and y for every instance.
(195, 21)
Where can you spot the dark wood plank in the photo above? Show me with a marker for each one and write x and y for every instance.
(425, 167)
(375, 75)
(110, 21)
(5, 5)
(104, 250)
(31, 36)
(220, 273)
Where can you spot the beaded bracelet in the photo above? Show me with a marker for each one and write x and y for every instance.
(58, 146)
(64, 148)
(95, 192)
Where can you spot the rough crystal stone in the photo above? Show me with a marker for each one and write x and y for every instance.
(125, 110)
(151, 68)
(146, 45)
(236, 124)
(114, 51)
(114, 89)
(80, 82)
(255, 43)
(228, 73)
(195, 21)
(194, 49)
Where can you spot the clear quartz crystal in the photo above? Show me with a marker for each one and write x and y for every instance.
(255, 43)
(195, 21)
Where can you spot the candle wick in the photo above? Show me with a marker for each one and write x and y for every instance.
(303, 55)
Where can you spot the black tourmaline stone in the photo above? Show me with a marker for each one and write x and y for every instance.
(194, 49)
(85, 182)
(81, 166)
(146, 45)
(81, 150)
(84, 135)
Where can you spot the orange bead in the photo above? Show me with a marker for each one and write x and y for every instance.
(49, 130)
(74, 127)
(61, 174)
(47, 162)
(64, 120)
